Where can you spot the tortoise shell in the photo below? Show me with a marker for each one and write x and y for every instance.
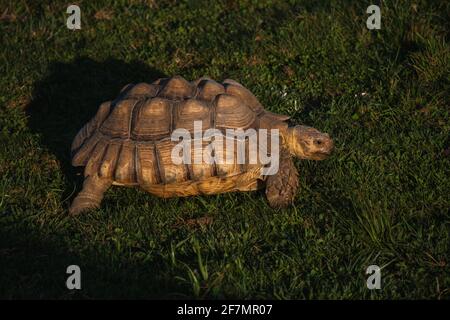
(129, 139)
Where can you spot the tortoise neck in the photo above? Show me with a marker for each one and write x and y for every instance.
(291, 142)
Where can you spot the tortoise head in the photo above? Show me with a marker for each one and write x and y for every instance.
(308, 143)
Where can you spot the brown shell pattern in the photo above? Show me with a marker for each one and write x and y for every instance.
(128, 140)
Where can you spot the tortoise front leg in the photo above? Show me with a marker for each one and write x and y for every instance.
(91, 195)
(282, 187)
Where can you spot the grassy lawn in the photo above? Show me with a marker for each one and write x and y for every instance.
(382, 198)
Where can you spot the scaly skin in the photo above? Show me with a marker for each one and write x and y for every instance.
(282, 187)
(90, 196)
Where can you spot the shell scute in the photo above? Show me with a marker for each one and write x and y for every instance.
(140, 91)
(117, 125)
(231, 112)
(125, 166)
(81, 157)
(209, 89)
(191, 110)
(197, 82)
(94, 162)
(225, 152)
(147, 166)
(200, 169)
(87, 131)
(169, 171)
(152, 120)
(245, 95)
(177, 88)
(109, 160)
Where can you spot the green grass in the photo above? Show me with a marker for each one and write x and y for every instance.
(382, 198)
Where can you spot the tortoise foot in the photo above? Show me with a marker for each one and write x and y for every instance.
(83, 204)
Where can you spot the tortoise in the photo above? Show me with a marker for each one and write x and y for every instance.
(128, 143)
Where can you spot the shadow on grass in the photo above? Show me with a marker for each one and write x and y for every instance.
(33, 257)
(70, 94)
(34, 265)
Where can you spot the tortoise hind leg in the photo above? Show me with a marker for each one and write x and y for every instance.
(91, 195)
(282, 187)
